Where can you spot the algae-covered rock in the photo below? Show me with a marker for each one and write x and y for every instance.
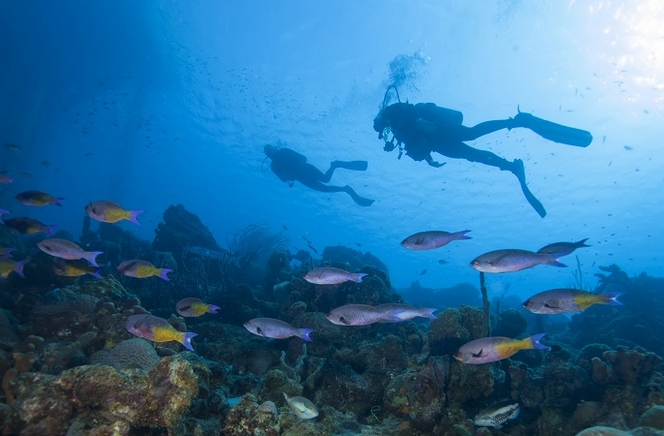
(653, 417)
(603, 431)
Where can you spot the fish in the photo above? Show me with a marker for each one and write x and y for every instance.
(12, 147)
(511, 260)
(157, 329)
(8, 265)
(26, 175)
(7, 180)
(110, 212)
(75, 269)
(329, 275)
(193, 307)
(67, 250)
(275, 328)
(559, 249)
(556, 301)
(301, 407)
(37, 198)
(5, 251)
(4, 212)
(405, 312)
(28, 226)
(363, 314)
(424, 271)
(432, 239)
(206, 252)
(493, 349)
(496, 415)
(442, 261)
(142, 269)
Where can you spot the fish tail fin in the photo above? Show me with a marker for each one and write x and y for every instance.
(20, 265)
(462, 235)
(553, 261)
(163, 273)
(96, 274)
(186, 340)
(304, 334)
(91, 256)
(357, 277)
(132, 216)
(428, 313)
(50, 230)
(582, 243)
(535, 342)
(57, 201)
(610, 298)
(212, 308)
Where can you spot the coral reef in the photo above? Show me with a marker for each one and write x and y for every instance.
(180, 229)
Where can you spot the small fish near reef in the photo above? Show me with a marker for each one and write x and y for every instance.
(38, 198)
(75, 269)
(67, 250)
(301, 407)
(142, 269)
(194, 307)
(493, 349)
(275, 328)
(110, 212)
(511, 260)
(557, 301)
(432, 239)
(28, 226)
(497, 414)
(7, 266)
(4, 212)
(559, 249)
(157, 329)
(332, 276)
(6, 180)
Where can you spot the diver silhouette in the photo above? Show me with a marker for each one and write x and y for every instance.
(422, 128)
(291, 166)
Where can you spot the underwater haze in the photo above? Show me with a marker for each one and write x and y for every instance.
(152, 104)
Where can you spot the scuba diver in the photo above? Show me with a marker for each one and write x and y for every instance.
(423, 128)
(291, 166)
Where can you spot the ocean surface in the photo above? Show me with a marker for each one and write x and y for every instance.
(157, 103)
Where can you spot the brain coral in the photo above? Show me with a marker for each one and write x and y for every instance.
(132, 353)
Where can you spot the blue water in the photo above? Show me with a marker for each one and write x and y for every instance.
(156, 103)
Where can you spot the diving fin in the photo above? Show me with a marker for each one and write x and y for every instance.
(356, 165)
(553, 131)
(520, 174)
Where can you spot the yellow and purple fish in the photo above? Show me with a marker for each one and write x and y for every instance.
(432, 239)
(496, 348)
(142, 269)
(110, 212)
(28, 226)
(67, 250)
(556, 301)
(8, 265)
(157, 330)
(75, 269)
(7, 180)
(38, 198)
(194, 307)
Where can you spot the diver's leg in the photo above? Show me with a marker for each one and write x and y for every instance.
(464, 151)
(317, 186)
(484, 128)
